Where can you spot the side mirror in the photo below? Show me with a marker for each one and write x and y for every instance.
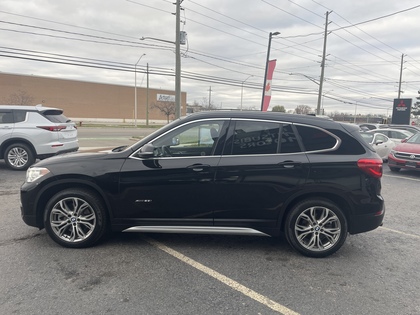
(146, 151)
(404, 140)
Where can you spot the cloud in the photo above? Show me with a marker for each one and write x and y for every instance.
(227, 43)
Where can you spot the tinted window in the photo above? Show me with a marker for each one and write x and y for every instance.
(315, 139)
(255, 137)
(289, 142)
(56, 116)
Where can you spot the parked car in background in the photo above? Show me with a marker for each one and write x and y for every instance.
(255, 173)
(406, 155)
(368, 126)
(381, 143)
(395, 135)
(31, 132)
(410, 128)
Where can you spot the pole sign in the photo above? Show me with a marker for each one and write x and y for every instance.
(401, 111)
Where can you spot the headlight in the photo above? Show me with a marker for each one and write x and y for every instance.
(33, 173)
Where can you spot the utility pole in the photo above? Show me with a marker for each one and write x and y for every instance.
(210, 97)
(147, 97)
(401, 70)
(178, 61)
(321, 81)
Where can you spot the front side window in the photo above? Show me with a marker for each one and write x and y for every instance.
(196, 139)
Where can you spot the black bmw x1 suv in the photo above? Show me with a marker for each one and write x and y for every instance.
(257, 173)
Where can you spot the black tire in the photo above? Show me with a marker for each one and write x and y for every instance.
(75, 218)
(316, 228)
(394, 169)
(18, 156)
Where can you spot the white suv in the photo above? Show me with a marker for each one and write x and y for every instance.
(31, 132)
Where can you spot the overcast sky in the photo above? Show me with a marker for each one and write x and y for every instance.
(226, 48)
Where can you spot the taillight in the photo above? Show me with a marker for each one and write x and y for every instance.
(52, 128)
(372, 167)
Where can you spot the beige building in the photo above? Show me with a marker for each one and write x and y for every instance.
(88, 101)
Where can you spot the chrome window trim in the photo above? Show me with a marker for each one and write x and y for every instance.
(337, 144)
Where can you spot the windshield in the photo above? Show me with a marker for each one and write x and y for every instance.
(414, 139)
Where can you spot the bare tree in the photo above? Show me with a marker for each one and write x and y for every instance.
(208, 105)
(167, 108)
(303, 109)
(20, 98)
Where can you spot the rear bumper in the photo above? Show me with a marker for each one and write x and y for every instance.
(367, 222)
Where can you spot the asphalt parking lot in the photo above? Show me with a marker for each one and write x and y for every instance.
(373, 273)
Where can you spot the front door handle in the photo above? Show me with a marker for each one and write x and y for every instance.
(198, 167)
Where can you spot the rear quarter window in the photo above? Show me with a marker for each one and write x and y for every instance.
(314, 139)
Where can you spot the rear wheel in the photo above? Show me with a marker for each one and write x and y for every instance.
(19, 156)
(316, 228)
(75, 218)
(394, 169)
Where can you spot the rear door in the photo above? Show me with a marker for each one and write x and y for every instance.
(261, 166)
(6, 125)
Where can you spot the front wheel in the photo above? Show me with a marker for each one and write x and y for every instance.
(316, 228)
(75, 218)
(18, 156)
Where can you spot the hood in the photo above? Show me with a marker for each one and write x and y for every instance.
(408, 148)
(72, 157)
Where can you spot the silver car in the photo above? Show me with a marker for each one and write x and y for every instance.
(31, 132)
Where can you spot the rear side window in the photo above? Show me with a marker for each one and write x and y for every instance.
(20, 115)
(288, 142)
(315, 139)
(255, 137)
(56, 116)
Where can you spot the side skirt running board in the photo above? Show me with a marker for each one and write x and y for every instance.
(196, 230)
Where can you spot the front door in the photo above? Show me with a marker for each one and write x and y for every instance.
(175, 186)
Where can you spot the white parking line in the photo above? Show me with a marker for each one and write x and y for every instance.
(399, 232)
(218, 276)
(403, 177)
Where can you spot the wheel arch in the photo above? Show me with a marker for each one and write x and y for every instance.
(338, 199)
(10, 141)
(57, 186)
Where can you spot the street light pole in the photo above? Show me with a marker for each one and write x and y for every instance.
(266, 65)
(242, 89)
(135, 90)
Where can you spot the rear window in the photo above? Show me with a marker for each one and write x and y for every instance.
(56, 116)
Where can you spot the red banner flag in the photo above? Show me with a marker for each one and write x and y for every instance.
(267, 91)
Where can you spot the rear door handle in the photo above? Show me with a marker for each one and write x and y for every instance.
(289, 164)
